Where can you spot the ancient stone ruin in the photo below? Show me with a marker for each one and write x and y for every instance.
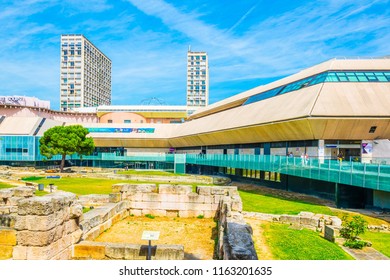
(54, 227)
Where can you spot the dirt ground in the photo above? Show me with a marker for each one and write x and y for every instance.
(196, 235)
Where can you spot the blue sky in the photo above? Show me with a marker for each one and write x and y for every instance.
(249, 42)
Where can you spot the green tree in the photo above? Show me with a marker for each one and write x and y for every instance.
(351, 230)
(66, 140)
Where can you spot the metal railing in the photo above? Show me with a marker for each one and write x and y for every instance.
(367, 175)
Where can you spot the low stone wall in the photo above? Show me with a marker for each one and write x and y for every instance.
(93, 199)
(9, 199)
(303, 219)
(47, 227)
(87, 250)
(167, 179)
(173, 200)
(96, 221)
(235, 236)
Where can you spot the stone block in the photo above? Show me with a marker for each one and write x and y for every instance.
(200, 206)
(209, 214)
(172, 213)
(139, 188)
(136, 212)
(45, 205)
(64, 255)
(175, 189)
(6, 193)
(147, 205)
(174, 198)
(23, 192)
(309, 221)
(39, 238)
(149, 197)
(40, 223)
(336, 221)
(191, 213)
(19, 253)
(105, 226)
(203, 190)
(218, 198)
(88, 251)
(71, 226)
(173, 206)
(117, 187)
(114, 197)
(134, 196)
(218, 191)
(306, 214)
(48, 252)
(75, 211)
(331, 232)
(290, 219)
(13, 201)
(157, 212)
(7, 237)
(120, 216)
(200, 198)
(236, 204)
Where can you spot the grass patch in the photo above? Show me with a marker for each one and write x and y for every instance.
(32, 178)
(380, 241)
(150, 216)
(40, 193)
(6, 186)
(149, 173)
(83, 186)
(292, 244)
(254, 201)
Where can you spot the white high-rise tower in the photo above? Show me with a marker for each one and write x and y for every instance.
(197, 79)
(85, 74)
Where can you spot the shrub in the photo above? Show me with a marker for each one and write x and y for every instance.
(150, 216)
(200, 217)
(351, 230)
(355, 244)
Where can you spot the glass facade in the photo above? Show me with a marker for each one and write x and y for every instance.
(325, 77)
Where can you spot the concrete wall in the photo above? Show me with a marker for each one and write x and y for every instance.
(381, 199)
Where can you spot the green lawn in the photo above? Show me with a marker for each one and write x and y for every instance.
(293, 244)
(83, 186)
(380, 241)
(80, 186)
(255, 202)
(5, 186)
(150, 173)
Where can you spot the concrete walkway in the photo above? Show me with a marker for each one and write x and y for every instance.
(367, 253)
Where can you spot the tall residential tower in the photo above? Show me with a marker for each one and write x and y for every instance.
(85, 74)
(197, 79)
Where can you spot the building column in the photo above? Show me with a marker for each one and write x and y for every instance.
(321, 151)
